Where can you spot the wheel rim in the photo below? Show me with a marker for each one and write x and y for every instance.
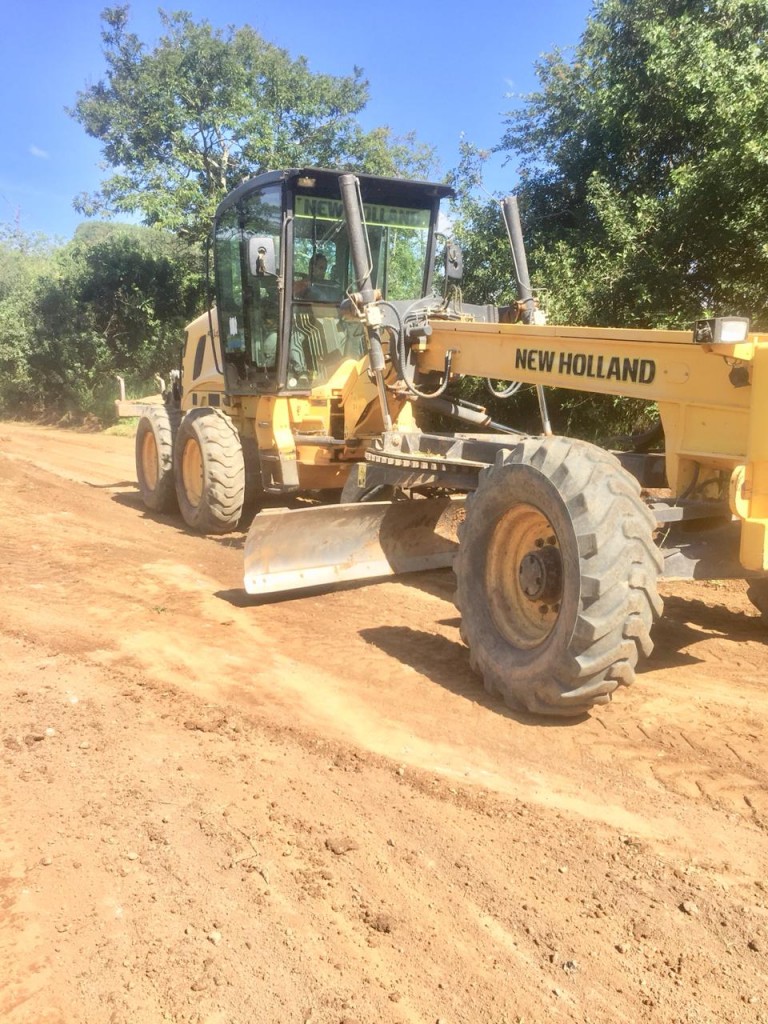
(524, 576)
(150, 461)
(192, 472)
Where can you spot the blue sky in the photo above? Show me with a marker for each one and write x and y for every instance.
(439, 70)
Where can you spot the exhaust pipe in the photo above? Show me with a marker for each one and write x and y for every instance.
(511, 214)
(360, 250)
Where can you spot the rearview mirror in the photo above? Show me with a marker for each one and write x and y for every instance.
(454, 262)
(262, 261)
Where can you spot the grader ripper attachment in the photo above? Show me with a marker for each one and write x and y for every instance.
(557, 545)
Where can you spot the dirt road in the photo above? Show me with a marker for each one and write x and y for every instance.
(223, 811)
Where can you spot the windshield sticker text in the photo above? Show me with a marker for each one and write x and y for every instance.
(375, 213)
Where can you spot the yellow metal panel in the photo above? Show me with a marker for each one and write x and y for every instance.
(754, 539)
(317, 477)
(658, 366)
(753, 550)
(709, 432)
(360, 402)
(273, 425)
(209, 379)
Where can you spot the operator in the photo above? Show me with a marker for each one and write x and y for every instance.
(318, 265)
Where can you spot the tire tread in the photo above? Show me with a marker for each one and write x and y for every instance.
(221, 504)
(162, 423)
(619, 565)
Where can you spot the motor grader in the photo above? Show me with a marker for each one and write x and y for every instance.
(306, 381)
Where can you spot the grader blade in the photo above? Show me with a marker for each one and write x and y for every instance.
(290, 550)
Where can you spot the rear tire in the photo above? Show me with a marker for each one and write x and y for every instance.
(209, 471)
(154, 460)
(556, 576)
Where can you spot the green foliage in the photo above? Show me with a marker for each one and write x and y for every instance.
(184, 123)
(645, 166)
(111, 301)
(180, 125)
(644, 177)
(23, 260)
(479, 228)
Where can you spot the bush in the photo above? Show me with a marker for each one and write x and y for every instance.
(112, 301)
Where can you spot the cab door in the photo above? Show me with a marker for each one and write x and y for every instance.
(247, 257)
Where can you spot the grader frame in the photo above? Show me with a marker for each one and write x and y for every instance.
(557, 544)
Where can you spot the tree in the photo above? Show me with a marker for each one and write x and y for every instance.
(644, 183)
(644, 168)
(24, 261)
(185, 122)
(113, 300)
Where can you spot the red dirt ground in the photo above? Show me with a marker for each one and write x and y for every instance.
(226, 811)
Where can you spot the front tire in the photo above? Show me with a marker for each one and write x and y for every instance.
(209, 471)
(556, 576)
(154, 460)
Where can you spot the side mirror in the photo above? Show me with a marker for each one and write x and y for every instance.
(262, 261)
(454, 263)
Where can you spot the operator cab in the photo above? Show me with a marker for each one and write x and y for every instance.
(282, 265)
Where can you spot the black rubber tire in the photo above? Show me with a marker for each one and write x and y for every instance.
(154, 460)
(209, 471)
(757, 592)
(583, 637)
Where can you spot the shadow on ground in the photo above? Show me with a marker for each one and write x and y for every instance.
(686, 623)
(446, 662)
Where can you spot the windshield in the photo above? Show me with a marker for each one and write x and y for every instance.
(323, 275)
(399, 240)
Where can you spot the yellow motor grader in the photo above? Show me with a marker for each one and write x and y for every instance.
(328, 332)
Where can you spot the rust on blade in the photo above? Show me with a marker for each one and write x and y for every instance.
(292, 549)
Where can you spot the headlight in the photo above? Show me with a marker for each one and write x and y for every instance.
(721, 330)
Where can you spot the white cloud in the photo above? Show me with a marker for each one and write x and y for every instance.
(41, 154)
